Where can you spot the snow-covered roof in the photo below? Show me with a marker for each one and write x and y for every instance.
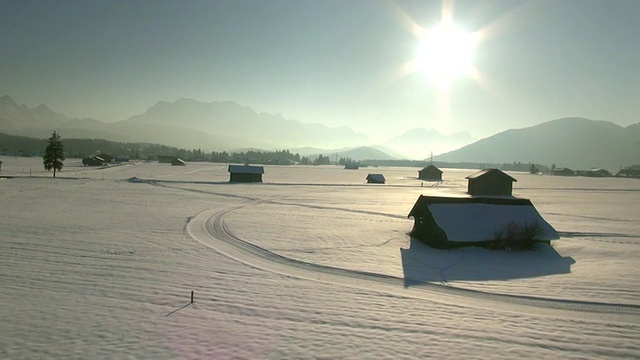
(246, 169)
(475, 219)
(491, 172)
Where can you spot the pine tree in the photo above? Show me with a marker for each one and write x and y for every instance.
(54, 154)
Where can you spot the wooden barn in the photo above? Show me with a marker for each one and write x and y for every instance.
(598, 173)
(430, 173)
(630, 173)
(563, 172)
(178, 162)
(448, 222)
(491, 182)
(352, 165)
(166, 159)
(375, 179)
(245, 173)
(93, 161)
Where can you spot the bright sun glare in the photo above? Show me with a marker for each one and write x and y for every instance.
(446, 53)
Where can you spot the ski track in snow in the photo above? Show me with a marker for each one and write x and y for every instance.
(209, 229)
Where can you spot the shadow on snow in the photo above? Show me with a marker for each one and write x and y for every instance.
(422, 263)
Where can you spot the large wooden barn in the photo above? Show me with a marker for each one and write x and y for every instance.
(245, 173)
(448, 222)
(491, 182)
(430, 173)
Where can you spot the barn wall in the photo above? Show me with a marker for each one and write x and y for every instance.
(429, 175)
(495, 188)
(241, 177)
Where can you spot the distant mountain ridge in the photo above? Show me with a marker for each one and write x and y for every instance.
(185, 123)
(232, 120)
(577, 143)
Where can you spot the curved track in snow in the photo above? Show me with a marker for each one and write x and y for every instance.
(209, 229)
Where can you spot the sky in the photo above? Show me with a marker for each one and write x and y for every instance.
(338, 63)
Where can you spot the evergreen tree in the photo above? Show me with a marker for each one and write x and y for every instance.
(54, 154)
(533, 169)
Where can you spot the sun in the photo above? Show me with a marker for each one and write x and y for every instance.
(445, 53)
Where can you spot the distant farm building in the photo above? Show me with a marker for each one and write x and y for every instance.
(245, 173)
(563, 172)
(352, 166)
(491, 182)
(166, 159)
(447, 222)
(375, 179)
(430, 173)
(598, 173)
(630, 173)
(106, 157)
(178, 162)
(93, 161)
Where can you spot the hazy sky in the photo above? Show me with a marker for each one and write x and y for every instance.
(331, 62)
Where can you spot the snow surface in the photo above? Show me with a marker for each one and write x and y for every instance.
(99, 263)
(481, 222)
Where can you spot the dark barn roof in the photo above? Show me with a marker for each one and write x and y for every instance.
(376, 178)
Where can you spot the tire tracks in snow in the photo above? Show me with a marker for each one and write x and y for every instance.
(209, 229)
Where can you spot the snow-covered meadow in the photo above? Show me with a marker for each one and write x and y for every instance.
(99, 263)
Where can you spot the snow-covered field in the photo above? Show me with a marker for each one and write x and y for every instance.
(99, 263)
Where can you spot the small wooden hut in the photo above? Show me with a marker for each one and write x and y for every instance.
(430, 173)
(245, 173)
(492, 182)
(375, 179)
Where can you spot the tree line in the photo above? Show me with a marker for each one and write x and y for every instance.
(79, 148)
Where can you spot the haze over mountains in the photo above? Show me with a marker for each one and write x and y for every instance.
(572, 142)
(213, 126)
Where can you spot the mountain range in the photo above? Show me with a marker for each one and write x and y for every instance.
(215, 126)
(577, 143)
